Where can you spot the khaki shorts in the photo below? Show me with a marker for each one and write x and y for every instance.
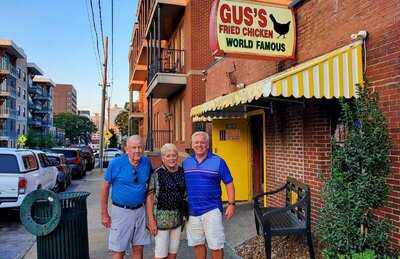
(128, 228)
(206, 227)
(167, 242)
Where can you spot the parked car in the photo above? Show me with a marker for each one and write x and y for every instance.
(109, 154)
(64, 172)
(73, 158)
(88, 155)
(21, 172)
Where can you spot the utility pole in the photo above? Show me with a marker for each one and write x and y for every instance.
(103, 96)
(108, 113)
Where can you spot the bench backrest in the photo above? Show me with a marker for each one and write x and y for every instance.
(295, 191)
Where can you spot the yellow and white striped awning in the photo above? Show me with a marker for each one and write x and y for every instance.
(334, 74)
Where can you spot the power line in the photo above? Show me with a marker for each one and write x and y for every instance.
(112, 47)
(95, 31)
(93, 41)
(101, 22)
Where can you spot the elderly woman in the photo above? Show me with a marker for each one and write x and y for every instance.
(164, 203)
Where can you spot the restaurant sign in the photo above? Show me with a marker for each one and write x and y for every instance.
(252, 29)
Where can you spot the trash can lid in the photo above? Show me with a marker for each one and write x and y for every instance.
(26, 212)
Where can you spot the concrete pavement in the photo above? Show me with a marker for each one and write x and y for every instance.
(238, 230)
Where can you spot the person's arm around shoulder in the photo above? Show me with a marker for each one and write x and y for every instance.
(105, 191)
(230, 189)
(151, 221)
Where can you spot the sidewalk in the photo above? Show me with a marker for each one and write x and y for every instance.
(238, 230)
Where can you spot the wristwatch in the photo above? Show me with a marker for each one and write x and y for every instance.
(232, 203)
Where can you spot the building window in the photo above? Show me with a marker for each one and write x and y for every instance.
(19, 91)
(19, 110)
(24, 114)
(24, 95)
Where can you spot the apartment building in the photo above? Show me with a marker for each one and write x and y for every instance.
(64, 99)
(13, 93)
(168, 53)
(41, 112)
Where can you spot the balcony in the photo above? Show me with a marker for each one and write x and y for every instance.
(166, 78)
(136, 112)
(46, 123)
(43, 97)
(35, 90)
(6, 68)
(34, 122)
(170, 13)
(7, 90)
(33, 106)
(7, 113)
(160, 137)
(6, 134)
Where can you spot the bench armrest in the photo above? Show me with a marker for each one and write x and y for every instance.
(299, 203)
(255, 199)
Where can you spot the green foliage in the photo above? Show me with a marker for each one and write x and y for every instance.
(113, 139)
(122, 122)
(38, 140)
(357, 184)
(76, 127)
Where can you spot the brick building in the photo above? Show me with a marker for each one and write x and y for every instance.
(168, 53)
(294, 101)
(64, 99)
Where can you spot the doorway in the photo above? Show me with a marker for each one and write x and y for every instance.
(257, 153)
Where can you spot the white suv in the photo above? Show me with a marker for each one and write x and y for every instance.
(21, 172)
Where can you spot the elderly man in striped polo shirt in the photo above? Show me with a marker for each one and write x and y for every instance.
(204, 172)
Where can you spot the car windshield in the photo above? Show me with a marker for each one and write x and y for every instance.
(8, 164)
(67, 153)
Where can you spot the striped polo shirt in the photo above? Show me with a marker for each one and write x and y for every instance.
(203, 183)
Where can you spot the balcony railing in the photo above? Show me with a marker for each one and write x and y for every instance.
(6, 112)
(35, 90)
(160, 137)
(46, 123)
(6, 65)
(34, 106)
(46, 97)
(136, 107)
(6, 89)
(32, 121)
(171, 61)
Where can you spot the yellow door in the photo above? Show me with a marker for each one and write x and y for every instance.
(230, 140)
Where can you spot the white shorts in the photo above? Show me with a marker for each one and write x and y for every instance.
(167, 242)
(206, 227)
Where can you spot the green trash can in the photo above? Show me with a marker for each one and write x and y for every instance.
(59, 221)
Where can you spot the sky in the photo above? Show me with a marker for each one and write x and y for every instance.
(57, 36)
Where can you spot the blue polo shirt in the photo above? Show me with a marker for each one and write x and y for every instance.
(121, 174)
(203, 183)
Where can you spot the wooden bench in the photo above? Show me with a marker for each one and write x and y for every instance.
(292, 219)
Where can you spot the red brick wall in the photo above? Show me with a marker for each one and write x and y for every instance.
(298, 145)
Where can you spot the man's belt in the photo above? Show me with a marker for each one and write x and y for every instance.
(127, 206)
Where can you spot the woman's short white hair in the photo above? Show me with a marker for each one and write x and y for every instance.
(201, 133)
(168, 147)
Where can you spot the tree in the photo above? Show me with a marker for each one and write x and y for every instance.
(122, 122)
(113, 139)
(37, 139)
(77, 128)
(357, 182)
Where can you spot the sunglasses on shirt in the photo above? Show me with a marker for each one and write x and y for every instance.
(135, 176)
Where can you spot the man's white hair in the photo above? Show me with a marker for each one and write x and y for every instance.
(168, 147)
(201, 133)
(135, 139)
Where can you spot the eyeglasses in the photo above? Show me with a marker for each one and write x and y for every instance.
(135, 176)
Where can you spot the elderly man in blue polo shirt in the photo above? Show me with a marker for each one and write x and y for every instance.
(204, 172)
(127, 176)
